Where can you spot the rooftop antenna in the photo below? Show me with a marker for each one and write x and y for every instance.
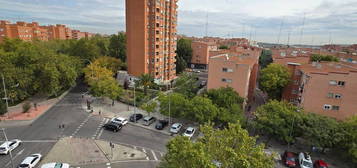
(289, 32)
(302, 29)
(250, 34)
(281, 27)
(207, 24)
(330, 38)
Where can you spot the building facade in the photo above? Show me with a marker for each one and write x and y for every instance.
(238, 71)
(201, 52)
(33, 31)
(327, 88)
(151, 38)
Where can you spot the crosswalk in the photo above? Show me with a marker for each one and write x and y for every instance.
(100, 129)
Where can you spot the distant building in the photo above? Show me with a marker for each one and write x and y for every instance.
(235, 70)
(152, 38)
(201, 52)
(33, 31)
(328, 88)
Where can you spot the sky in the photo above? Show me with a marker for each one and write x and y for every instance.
(313, 22)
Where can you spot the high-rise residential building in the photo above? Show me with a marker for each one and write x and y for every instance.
(152, 38)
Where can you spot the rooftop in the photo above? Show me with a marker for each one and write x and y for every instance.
(327, 67)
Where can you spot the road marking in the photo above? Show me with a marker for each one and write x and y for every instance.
(144, 150)
(80, 126)
(35, 141)
(100, 134)
(134, 147)
(153, 153)
(99, 130)
(147, 158)
(108, 164)
(161, 154)
(129, 161)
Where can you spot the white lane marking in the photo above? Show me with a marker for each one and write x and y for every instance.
(161, 154)
(144, 150)
(153, 153)
(129, 161)
(98, 131)
(80, 126)
(100, 134)
(108, 164)
(147, 158)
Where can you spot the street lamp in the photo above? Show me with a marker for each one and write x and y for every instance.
(7, 144)
(6, 98)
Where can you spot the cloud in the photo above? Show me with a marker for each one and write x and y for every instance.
(256, 19)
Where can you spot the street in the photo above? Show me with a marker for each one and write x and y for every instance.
(43, 133)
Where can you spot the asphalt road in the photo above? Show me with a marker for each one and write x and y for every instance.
(42, 134)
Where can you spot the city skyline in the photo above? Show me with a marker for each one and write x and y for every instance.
(325, 21)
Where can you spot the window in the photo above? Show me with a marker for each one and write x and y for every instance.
(327, 107)
(333, 82)
(227, 80)
(330, 95)
(227, 70)
(341, 83)
(338, 96)
(336, 108)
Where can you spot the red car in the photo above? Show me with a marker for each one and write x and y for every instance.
(320, 164)
(289, 159)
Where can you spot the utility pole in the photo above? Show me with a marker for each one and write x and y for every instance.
(134, 105)
(6, 99)
(12, 162)
(169, 109)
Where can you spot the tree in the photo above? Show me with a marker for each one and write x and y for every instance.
(231, 147)
(321, 131)
(203, 110)
(223, 47)
(184, 54)
(2, 108)
(149, 107)
(266, 58)
(106, 87)
(319, 58)
(349, 141)
(186, 84)
(229, 103)
(179, 105)
(145, 80)
(85, 49)
(110, 63)
(273, 79)
(117, 46)
(280, 120)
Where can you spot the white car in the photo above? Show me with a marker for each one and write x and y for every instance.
(55, 165)
(175, 128)
(120, 120)
(190, 131)
(305, 160)
(31, 161)
(8, 146)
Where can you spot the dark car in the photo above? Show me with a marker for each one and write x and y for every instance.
(161, 124)
(320, 164)
(136, 117)
(203, 84)
(289, 159)
(113, 126)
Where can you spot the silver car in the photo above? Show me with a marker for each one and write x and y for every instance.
(175, 128)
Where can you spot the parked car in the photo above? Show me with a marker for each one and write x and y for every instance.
(31, 161)
(175, 128)
(289, 159)
(305, 160)
(203, 83)
(161, 124)
(113, 126)
(320, 164)
(136, 117)
(8, 146)
(55, 165)
(120, 120)
(149, 120)
(190, 131)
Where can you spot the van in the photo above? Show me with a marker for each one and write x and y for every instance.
(149, 120)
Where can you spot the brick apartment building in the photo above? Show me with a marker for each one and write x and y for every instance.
(238, 70)
(31, 31)
(151, 38)
(328, 88)
(201, 52)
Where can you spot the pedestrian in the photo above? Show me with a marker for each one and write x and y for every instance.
(63, 126)
(35, 105)
(100, 112)
(59, 126)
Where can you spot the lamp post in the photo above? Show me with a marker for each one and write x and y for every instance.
(134, 105)
(6, 99)
(12, 161)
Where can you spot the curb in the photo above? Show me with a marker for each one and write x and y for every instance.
(29, 122)
(138, 125)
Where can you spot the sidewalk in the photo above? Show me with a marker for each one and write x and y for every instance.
(15, 113)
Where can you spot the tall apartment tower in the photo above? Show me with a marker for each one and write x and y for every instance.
(151, 38)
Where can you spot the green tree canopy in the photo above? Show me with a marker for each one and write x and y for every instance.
(186, 84)
(184, 54)
(328, 58)
(146, 81)
(203, 110)
(117, 46)
(231, 147)
(349, 141)
(223, 47)
(273, 79)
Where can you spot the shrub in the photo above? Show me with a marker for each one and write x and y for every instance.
(26, 107)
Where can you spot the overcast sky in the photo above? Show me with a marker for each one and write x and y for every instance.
(326, 21)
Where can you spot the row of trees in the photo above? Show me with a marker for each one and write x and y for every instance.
(328, 58)
(221, 106)
(286, 122)
(230, 147)
(29, 68)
